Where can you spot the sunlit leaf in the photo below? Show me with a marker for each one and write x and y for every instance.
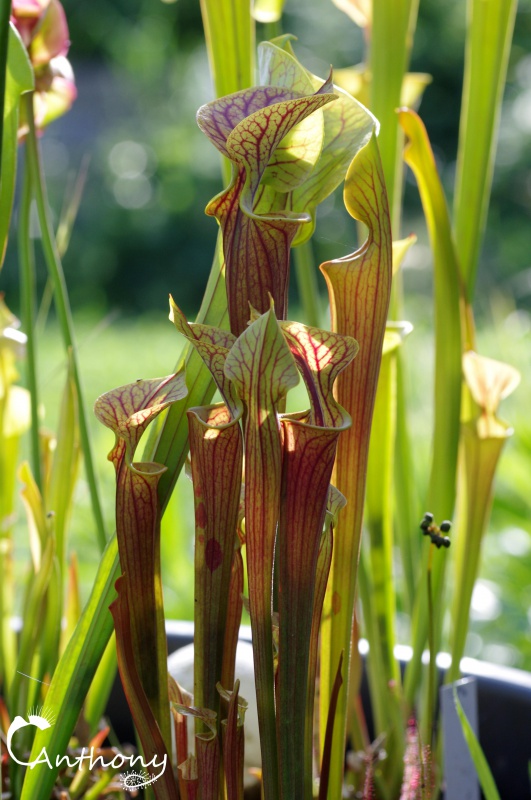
(490, 27)
(347, 126)
(359, 287)
(448, 371)
(257, 229)
(19, 79)
(229, 33)
(263, 370)
(268, 10)
(73, 675)
(489, 382)
(128, 410)
(213, 345)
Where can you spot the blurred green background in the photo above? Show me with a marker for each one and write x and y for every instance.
(141, 233)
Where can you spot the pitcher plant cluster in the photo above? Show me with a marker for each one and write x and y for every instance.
(281, 498)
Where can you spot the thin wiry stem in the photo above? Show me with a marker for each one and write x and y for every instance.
(28, 305)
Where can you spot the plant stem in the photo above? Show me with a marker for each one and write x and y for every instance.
(62, 305)
(307, 283)
(432, 670)
(28, 305)
(5, 11)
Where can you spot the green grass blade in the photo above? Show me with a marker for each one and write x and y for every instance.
(64, 313)
(73, 675)
(230, 39)
(488, 786)
(63, 477)
(391, 37)
(101, 686)
(28, 305)
(16, 77)
(442, 484)
(490, 27)
(168, 437)
(5, 12)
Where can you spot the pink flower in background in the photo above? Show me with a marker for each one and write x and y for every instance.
(44, 30)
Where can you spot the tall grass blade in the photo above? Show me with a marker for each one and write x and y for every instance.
(16, 77)
(73, 675)
(490, 28)
(486, 780)
(447, 399)
(64, 313)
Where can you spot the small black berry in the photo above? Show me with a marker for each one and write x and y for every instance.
(445, 526)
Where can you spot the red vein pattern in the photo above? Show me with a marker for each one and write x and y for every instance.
(263, 370)
(127, 411)
(216, 450)
(257, 230)
(359, 286)
(153, 744)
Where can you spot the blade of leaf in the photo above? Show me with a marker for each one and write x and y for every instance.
(257, 235)
(153, 745)
(330, 721)
(490, 28)
(74, 673)
(230, 39)
(359, 286)
(447, 298)
(263, 370)
(309, 454)
(233, 745)
(17, 78)
(486, 779)
(167, 442)
(391, 37)
(216, 449)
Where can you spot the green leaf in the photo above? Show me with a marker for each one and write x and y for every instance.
(482, 440)
(257, 230)
(391, 37)
(309, 446)
(359, 286)
(448, 338)
(234, 742)
(379, 597)
(490, 28)
(73, 675)
(328, 749)
(486, 779)
(213, 345)
(127, 411)
(19, 79)
(229, 33)
(268, 10)
(347, 126)
(65, 467)
(216, 450)
(263, 370)
(167, 442)
(153, 744)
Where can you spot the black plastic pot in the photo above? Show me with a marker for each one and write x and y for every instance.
(504, 706)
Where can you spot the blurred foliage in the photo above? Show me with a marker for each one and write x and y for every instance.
(142, 73)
